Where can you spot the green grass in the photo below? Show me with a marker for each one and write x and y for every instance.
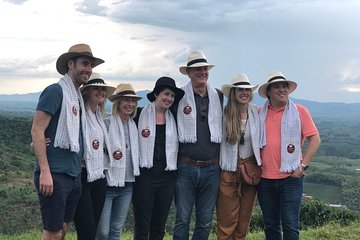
(329, 232)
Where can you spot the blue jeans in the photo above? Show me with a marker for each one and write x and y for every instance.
(114, 212)
(280, 202)
(199, 186)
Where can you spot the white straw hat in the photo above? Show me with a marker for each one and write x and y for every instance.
(238, 81)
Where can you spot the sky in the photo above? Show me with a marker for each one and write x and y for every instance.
(315, 43)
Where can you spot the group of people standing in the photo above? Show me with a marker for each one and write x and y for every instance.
(182, 146)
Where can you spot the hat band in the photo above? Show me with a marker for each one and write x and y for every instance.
(94, 81)
(200, 60)
(275, 78)
(125, 93)
(241, 83)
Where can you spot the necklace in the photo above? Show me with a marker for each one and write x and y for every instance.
(242, 131)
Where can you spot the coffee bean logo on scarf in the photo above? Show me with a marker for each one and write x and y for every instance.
(145, 133)
(187, 110)
(117, 155)
(291, 148)
(95, 144)
(74, 110)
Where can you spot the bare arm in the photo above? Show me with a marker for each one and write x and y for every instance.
(313, 145)
(40, 123)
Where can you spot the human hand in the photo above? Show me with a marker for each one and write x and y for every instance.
(46, 186)
(298, 173)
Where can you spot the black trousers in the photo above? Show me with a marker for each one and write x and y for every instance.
(153, 194)
(90, 206)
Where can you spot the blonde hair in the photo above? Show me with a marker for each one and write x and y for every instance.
(85, 95)
(232, 118)
(116, 103)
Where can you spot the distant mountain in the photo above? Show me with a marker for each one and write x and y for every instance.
(323, 110)
(28, 97)
(28, 102)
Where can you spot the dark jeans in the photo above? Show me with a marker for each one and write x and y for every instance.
(90, 206)
(154, 191)
(280, 202)
(197, 186)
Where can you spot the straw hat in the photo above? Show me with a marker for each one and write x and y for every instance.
(124, 90)
(238, 81)
(97, 81)
(77, 50)
(275, 77)
(195, 59)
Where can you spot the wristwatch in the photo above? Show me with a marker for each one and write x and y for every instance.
(304, 166)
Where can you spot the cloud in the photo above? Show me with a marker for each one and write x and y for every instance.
(314, 42)
(351, 89)
(351, 72)
(17, 2)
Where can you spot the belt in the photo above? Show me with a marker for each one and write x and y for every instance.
(184, 159)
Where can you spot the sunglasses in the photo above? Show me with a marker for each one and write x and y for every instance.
(203, 112)
(242, 137)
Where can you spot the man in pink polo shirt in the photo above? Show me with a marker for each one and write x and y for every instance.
(285, 126)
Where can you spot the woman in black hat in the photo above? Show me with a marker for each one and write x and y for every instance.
(154, 189)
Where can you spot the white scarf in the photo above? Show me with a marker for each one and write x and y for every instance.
(115, 175)
(229, 152)
(187, 122)
(147, 144)
(94, 155)
(67, 132)
(290, 134)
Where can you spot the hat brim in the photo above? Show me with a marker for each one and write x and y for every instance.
(113, 97)
(179, 93)
(262, 89)
(61, 63)
(182, 69)
(227, 87)
(109, 89)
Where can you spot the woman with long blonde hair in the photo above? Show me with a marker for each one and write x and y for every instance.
(240, 143)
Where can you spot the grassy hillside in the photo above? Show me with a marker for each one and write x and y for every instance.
(331, 178)
(329, 232)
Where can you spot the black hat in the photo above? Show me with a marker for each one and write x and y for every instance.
(166, 82)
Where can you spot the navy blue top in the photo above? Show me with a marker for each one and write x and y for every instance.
(203, 149)
(60, 160)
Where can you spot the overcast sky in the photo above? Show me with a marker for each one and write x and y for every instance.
(313, 42)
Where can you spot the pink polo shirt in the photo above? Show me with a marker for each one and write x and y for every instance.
(271, 154)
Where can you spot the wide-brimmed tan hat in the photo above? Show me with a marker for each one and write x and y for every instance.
(77, 50)
(275, 77)
(124, 90)
(195, 59)
(166, 82)
(96, 80)
(238, 81)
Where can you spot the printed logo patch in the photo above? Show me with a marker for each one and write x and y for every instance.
(145, 133)
(95, 144)
(187, 110)
(291, 148)
(117, 155)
